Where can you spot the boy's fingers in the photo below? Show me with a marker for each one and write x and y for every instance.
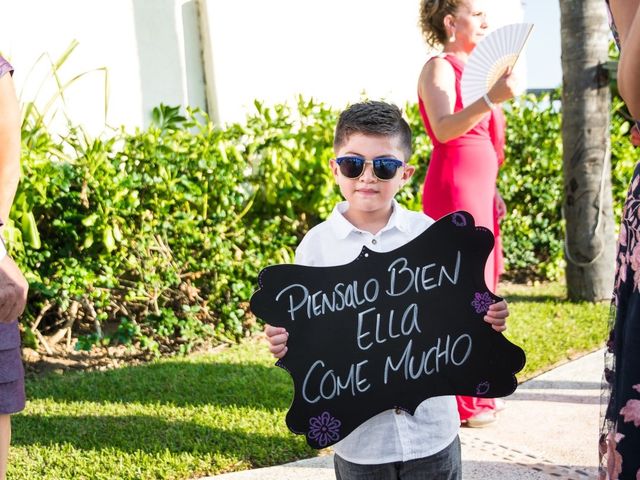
(275, 347)
(499, 324)
(497, 314)
(280, 339)
(499, 308)
(498, 305)
(278, 351)
(270, 330)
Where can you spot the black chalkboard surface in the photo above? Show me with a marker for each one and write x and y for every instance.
(388, 330)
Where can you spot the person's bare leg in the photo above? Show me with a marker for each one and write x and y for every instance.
(5, 440)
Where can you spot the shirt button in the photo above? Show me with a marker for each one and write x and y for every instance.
(374, 241)
(398, 411)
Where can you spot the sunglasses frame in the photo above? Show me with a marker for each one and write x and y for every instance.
(396, 162)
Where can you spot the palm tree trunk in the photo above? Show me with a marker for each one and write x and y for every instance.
(590, 237)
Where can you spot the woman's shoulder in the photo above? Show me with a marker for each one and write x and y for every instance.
(439, 59)
(437, 71)
(438, 63)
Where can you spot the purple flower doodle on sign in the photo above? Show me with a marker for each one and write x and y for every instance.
(324, 429)
(481, 301)
(483, 388)
(459, 220)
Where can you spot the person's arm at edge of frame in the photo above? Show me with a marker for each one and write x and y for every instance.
(9, 145)
(13, 286)
(626, 16)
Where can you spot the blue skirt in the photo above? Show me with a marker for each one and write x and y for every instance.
(12, 397)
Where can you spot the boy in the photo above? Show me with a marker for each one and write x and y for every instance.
(372, 144)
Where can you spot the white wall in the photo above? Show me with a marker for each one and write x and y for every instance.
(331, 50)
(151, 49)
(334, 51)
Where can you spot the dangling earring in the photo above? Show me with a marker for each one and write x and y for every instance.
(452, 37)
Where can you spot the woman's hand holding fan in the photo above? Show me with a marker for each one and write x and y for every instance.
(505, 87)
(490, 65)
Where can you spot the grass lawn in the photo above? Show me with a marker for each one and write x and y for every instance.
(550, 329)
(182, 418)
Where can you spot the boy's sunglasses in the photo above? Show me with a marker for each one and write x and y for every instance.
(383, 168)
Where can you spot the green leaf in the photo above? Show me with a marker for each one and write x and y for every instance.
(108, 240)
(30, 232)
(90, 220)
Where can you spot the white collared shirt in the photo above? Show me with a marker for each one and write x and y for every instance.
(393, 435)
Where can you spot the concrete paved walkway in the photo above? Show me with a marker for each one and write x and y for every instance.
(548, 430)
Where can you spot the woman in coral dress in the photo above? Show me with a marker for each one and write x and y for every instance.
(467, 140)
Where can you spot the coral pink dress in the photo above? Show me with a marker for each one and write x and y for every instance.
(462, 175)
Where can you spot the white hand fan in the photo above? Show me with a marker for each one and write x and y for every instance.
(488, 61)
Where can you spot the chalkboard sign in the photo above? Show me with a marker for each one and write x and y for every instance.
(388, 330)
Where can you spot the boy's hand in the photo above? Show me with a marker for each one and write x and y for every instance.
(497, 316)
(277, 338)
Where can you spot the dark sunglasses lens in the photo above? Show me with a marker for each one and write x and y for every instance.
(351, 167)
(385, 169)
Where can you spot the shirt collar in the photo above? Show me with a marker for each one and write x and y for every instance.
(342, 227)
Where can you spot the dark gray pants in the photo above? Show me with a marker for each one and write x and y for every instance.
(444, 465)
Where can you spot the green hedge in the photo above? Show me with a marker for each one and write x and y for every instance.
(532, 187)
(157, 236)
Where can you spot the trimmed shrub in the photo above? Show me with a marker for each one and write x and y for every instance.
(157, 236)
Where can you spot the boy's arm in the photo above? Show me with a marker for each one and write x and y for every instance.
(497, 316)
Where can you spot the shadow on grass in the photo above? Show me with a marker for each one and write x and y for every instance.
(154, 435)
(513, 298)
(174, 383)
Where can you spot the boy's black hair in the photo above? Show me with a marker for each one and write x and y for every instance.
(373, 118)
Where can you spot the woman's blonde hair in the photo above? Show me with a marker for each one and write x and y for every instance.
(432, 13)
